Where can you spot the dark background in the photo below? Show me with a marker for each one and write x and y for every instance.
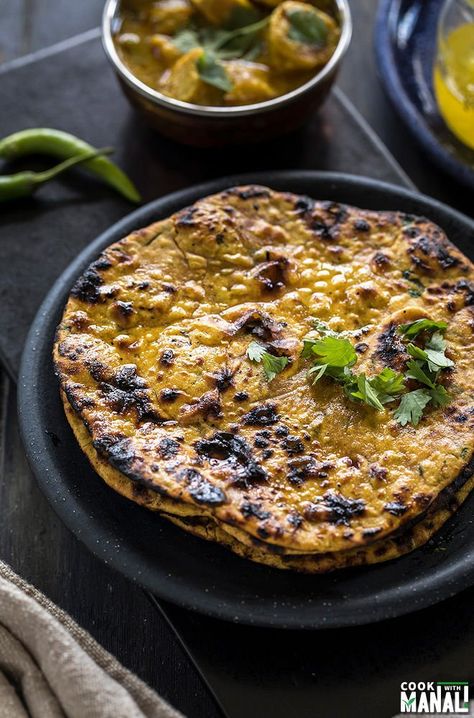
(120, 614)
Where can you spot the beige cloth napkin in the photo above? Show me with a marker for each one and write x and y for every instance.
(52, 668)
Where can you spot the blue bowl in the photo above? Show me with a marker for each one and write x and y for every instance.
(405, 45)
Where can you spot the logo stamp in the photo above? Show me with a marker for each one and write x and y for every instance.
(434, 697)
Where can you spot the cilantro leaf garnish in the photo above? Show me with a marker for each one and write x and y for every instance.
(213, 72)
(435, 358)
(307, 27)
(255, 351)
(272, 365)
(307, 350)
(420, 325)
(364, 391)
(412, 406)
(388, 385)
(437, 342)
(317, 371)
(439, 395)
(334, 356)
(416, 371)
(334, 351)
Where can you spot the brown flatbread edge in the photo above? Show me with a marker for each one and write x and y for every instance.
(198, 523)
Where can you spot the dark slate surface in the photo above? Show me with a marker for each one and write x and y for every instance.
(254, 673)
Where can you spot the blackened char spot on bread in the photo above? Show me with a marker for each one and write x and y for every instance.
(209, 404)
(258, 324)
(251, 192)
(295, 519)
(103, 262)
(74, 396)
(263, 415)
(323, 219)
(431, 250)
(87, 286)
(390, 347)
(467, 288)
(223, 379)
(69, 352)
(234, 455)
(261, 442)
(307, 467)
(126, 390)
(169, 395)
(167, 357)
(97, 369)
(380, 261)
(168, 447)
(335, 508)
(249, 509)
(118, 450)
(292, 445)
(378, 472)
(124, 308)
(186, 218)
(395, 508)
(361, 225)
(272, 275)
(201, 490)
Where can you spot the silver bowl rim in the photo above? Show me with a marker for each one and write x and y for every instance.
(158, 98)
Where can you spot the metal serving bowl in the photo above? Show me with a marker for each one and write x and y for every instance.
(207, 126)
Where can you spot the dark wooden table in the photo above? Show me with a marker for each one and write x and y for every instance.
(32, 539)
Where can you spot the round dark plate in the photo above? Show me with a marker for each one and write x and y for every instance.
(405, 45)
(186, 570)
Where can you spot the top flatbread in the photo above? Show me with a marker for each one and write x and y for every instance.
(151, 355)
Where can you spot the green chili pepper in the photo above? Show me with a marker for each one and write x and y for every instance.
(24, 184)
(60, 144)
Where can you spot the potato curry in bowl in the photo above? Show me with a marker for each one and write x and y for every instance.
(225, 53)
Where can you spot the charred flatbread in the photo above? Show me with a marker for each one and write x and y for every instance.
(152, 357)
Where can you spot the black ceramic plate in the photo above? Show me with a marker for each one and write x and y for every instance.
(186, 570)
(405, 43)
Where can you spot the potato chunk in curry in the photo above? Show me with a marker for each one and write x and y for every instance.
(287, 48)
(169, 16)
(221, 12)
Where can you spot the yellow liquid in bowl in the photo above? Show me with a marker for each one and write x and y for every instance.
(454, 82)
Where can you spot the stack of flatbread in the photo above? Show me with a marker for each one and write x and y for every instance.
(175, 413)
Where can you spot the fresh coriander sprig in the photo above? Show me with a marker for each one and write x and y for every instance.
(412, 406)
(433, 353)
(272, 365)
(414, 328)
(334, 356)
